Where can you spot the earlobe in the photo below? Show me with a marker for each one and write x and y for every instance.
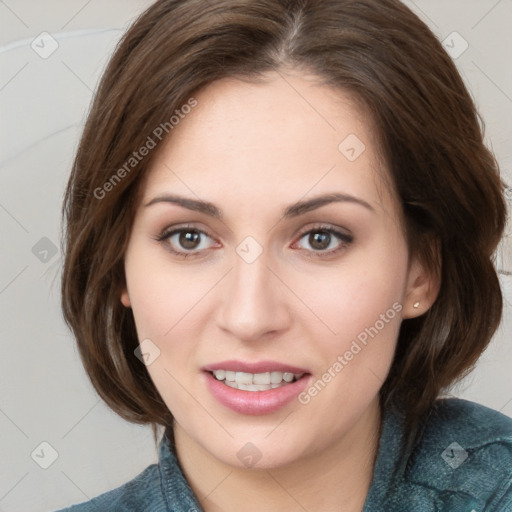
(125, 299)
(422, 290)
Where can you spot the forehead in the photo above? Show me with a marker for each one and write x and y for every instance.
(271, 143)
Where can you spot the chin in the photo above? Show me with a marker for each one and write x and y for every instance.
(258, 453)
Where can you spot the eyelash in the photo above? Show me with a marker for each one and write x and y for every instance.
(166, 234)
(345, 240)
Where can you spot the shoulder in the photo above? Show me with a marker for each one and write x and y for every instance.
(466, 455)
(160, 487)
(142, 493)
(472, 418)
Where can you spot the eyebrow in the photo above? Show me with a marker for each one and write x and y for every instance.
(294, 210)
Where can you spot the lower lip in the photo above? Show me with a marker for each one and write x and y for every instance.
(255, 402)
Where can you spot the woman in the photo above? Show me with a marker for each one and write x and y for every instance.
(280, 229)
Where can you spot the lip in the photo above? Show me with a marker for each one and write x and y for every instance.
(257, 367)
(255, 402)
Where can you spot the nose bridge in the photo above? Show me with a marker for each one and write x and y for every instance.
(253, 305)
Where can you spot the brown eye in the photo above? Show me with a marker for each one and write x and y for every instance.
(324, 241)
(186, 241)
(319, 240)
(189, 239)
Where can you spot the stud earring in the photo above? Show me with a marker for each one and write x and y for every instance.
(416, 305)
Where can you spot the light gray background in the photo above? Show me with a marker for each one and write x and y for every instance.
(44, 393)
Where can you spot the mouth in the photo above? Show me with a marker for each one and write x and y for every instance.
(265, 381)
(256, 388)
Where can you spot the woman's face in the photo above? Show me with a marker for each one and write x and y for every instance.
(268, 248)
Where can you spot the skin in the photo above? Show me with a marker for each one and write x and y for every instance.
(253, 150)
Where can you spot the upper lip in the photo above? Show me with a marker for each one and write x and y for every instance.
(253, 367)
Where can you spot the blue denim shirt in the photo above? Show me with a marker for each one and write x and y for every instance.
(463, 463)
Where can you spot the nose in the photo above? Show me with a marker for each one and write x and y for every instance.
(255, 305)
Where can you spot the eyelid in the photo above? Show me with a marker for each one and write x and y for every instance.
(342, 232)
(171, 230)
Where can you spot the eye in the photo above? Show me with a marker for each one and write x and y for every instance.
(325, 241)
(186, 241)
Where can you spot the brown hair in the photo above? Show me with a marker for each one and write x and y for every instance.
(428, 132)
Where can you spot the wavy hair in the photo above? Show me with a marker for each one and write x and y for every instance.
(428, 131)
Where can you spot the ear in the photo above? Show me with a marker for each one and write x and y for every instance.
(423, 285)
(125, 299)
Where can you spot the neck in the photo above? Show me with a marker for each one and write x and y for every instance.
(336, 479)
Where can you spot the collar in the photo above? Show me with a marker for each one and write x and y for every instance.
(391, 461)
(175, 488)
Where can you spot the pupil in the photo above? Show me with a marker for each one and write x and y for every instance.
(320, 240)
(188, 239)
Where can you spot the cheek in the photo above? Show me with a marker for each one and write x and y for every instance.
(354, 297)
(162, 295)
(170, 305)
(164, 302)
(353, 364)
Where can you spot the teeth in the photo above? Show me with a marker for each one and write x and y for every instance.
(255, 381)
(261, 378)
(243, 378)
(276, 377)
(220, 374)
